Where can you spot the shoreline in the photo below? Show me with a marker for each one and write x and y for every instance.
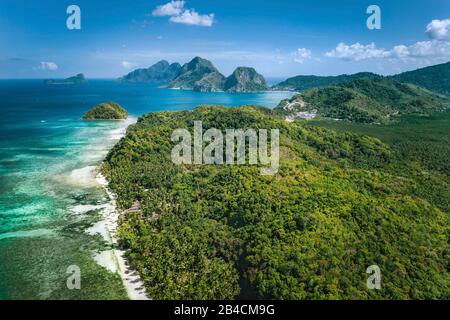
(130, 278)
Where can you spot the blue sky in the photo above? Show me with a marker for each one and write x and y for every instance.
(279, 38)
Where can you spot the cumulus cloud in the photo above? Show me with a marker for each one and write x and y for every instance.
(400, 51)
(173, 8)
(48, 65)
(191, 17)
(302, 54)
(435, 50)
(439, 29)
(178, 14)
(357, 52)
(128, 65)
(420, 50)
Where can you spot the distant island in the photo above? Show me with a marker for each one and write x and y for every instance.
(78, 79)
(199, 75)
(245, 79)
(106, 111)
(160, 72)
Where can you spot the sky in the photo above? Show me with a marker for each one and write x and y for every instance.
(278, 38)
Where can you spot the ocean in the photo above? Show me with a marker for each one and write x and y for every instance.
(51, 206)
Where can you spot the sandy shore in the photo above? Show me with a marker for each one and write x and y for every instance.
(114, 260)
(130, 278)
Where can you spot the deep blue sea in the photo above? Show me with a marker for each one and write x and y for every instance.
(50, 203)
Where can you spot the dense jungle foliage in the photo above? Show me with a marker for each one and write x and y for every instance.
(302, 83)
(340, 203)
(435, 78)
(366, 101)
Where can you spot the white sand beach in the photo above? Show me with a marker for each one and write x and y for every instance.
(115, 260)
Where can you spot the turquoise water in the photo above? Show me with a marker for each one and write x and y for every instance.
(50, 202)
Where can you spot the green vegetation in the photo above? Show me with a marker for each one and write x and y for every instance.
(416, 138)
(365, 100)
(435, 78)
(106, 111)
(302, 83)
(340, 203)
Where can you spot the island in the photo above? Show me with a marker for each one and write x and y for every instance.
(245, 79)
(160, 72)
(77, 79)
(200, 75)
(106, 111)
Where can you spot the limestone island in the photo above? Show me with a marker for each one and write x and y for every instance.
(199, 75)
(77, 79)
(106, 111)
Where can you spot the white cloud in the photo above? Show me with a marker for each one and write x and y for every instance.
(48, 65)
(400, 51)
(191, 17)
(302, 54)
(178, 14)
(357, 52)
(439, 29)
(128, 65)
(173, 8)
(422, 49)
(433, 50)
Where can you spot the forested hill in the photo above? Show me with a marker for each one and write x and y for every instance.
(365, 100)
(435, 78)
(340, 203)
(301, 83)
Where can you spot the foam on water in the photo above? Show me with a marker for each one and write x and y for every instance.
(100, 228)
(106, 259)
(83, 177)
(85, 208)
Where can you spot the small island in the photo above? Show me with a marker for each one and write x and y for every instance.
(106, 111)
(77, 79)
